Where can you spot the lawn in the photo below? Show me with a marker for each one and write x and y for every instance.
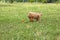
(12, 26)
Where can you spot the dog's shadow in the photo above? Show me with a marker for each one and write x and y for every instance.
(31, 22)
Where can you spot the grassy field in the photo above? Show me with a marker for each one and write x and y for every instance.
(12, 27)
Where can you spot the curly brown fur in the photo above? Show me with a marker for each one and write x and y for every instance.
(34, 16)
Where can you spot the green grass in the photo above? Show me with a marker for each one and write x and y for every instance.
(12, 27)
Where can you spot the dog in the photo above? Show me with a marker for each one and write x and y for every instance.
(34, 16)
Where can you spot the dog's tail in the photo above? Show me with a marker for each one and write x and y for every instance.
(40, 14)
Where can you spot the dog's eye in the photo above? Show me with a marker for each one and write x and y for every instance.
(29, 16)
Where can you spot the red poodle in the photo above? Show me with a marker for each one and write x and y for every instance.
(34, 16)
